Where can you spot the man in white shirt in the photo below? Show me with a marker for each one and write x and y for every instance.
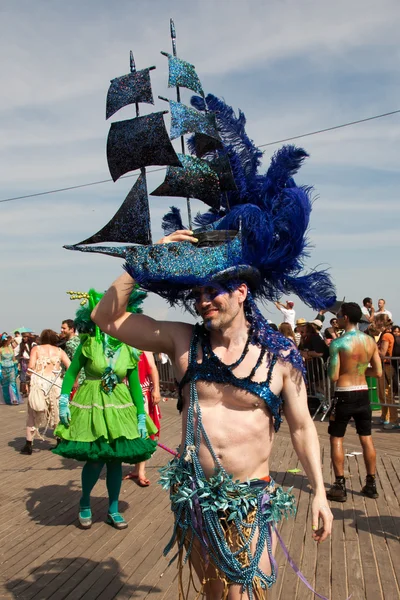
(16, 343)
(368, 314)
(289, 314)
(382, 310)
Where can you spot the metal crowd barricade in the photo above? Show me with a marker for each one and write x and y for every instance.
(318, 387)
(166, 373)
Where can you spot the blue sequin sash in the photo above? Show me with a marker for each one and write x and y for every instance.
(211, 369)
(205, 508)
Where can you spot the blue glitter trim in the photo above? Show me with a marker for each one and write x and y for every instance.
(182, 74)
(205, 508)
(196, 179)
(179, 265)
(188, 120)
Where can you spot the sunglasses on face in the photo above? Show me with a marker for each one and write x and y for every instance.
(207, 294)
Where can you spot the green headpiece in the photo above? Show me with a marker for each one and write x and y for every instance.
(89, 300)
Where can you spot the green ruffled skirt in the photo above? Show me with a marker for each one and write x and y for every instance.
(103, 428)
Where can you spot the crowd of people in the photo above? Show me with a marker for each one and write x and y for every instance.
(313, 341)
(59, 374)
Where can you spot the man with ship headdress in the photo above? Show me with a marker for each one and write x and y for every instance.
(237, 376)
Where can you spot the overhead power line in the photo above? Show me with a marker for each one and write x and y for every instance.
(296, 137)
(289, 139)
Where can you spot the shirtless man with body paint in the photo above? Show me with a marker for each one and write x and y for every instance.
(238, 424)
(350, 357)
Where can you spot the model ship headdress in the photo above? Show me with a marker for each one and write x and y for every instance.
(256, 225)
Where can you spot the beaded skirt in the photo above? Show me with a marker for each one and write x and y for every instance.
(223, 528)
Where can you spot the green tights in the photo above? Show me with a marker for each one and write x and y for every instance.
(90, 476)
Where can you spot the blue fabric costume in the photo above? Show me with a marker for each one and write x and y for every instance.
(8, 376)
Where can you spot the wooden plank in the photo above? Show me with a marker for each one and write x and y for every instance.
(323, 570)
(40, 493)
(372, 584)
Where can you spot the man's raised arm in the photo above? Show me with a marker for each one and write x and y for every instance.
(136, 330)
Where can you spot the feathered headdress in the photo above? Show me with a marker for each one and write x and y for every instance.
(256, 227)
(269, 213)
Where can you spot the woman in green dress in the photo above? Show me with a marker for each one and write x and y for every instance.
(105, 422)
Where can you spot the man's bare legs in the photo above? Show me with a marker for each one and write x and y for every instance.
(369, 453)
(214, 587)
(338, 491)
(337, 455)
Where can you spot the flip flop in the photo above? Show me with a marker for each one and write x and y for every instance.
(143, 481)
(130, 476)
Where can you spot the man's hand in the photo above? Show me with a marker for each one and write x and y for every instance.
(182, 235)
(155, 396)
(321, 510)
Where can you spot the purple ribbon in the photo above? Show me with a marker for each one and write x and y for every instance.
(198, 523)
(296, 568)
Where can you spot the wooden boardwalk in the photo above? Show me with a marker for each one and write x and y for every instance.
(44, 555)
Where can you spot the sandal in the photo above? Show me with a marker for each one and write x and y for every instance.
(131, 475)
(141, 481)
(116, 520)
(85, 518)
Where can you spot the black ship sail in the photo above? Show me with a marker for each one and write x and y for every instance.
(143, 141)
(132, 144)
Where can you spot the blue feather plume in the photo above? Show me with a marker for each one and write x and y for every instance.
(271, 210)
(172, 221)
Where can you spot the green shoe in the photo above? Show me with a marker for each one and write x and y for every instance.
(116, 520)
(85, 518)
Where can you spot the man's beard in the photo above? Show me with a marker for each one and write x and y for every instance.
(221, 321)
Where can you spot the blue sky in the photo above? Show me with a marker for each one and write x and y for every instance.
(292, 67)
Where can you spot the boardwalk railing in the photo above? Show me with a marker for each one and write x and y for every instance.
(166, 373)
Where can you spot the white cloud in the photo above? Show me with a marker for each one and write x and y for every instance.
(379, 238)
(292, 67)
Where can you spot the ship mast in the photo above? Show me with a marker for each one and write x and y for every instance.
(142, 169)
(178, 97)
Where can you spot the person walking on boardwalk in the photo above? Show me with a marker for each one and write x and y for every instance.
(45, 364)
(72, 341)
(105, 422)
(350, 356)
(8, 371)
(150, 384)
(237, 375)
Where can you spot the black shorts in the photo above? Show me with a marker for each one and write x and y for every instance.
(347, 405)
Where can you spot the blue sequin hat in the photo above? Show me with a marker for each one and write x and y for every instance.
(255, 228)
(172, 270)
